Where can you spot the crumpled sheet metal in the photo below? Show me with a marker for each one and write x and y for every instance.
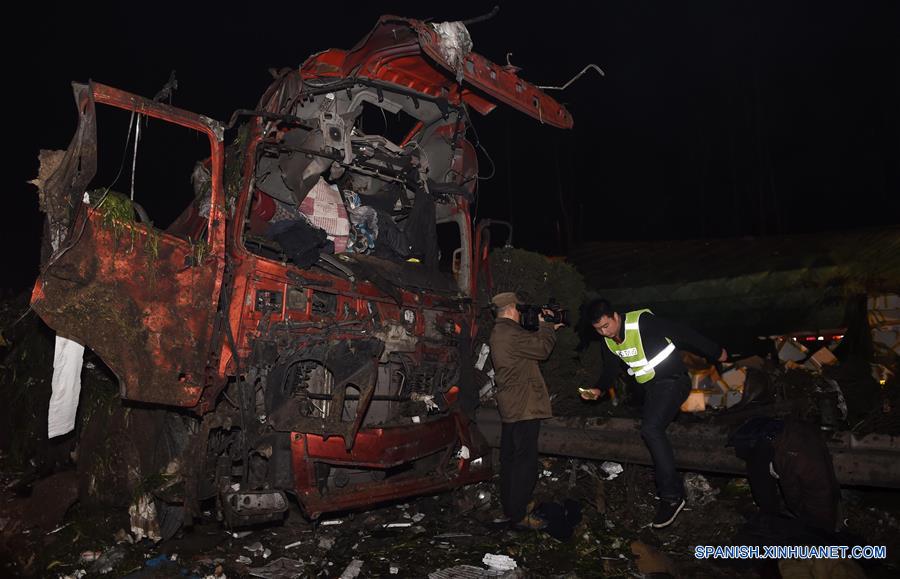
(281, 568)
(699, 491)
(456, 44)
(149, 324)
(471, 572)
(352, 570)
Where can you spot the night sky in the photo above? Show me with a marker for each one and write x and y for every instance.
(715, 118)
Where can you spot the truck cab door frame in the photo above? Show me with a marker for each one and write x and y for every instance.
(144, 300)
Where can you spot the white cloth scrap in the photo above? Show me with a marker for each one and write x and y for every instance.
(68, 358)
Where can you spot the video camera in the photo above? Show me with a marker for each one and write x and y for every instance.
(529, 315)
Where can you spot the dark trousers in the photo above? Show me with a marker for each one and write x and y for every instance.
(518, 466)
(662, 400)
(806, 480)
(763, 485)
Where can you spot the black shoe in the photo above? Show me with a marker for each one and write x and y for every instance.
(666, 512)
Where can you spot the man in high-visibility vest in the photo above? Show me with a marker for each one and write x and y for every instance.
(647, 346)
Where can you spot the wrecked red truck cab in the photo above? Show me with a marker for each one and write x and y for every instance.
(313, 306)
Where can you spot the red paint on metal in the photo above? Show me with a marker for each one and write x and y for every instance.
(384, 448)
(452, 395)
(303, 467)
(402, 51)
(157, 333)
(142, 299)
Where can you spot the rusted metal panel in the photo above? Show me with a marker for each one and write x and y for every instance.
(868, 461)
(143, 300)
(145, 311)
(179, 321)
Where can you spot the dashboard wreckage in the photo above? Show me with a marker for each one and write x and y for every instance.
(305, 311)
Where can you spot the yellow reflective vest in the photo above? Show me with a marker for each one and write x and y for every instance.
(631, 350)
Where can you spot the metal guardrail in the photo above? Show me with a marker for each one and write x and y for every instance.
(872, 460)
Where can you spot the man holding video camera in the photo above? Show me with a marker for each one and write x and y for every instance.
(523, 401)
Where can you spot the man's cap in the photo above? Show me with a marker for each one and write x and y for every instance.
(505, 299)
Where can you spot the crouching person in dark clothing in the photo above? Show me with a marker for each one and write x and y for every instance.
(790, 455)
(523, 401)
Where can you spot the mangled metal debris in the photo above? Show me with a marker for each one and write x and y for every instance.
(106, 562)
(302, 309)
(469, 572)
(698, 490)
(352, 570)
(398, 525)
(281, 568)
(323, 380)
(259, 550)
(452, 536)
(326, 543)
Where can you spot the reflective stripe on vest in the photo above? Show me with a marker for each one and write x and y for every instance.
(631, 350)
(656, 361)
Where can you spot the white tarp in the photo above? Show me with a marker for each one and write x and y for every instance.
(67, 360)
(68, 356)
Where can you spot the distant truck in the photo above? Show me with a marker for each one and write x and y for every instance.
(312, 309)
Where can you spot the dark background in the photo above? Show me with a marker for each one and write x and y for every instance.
(716, 118)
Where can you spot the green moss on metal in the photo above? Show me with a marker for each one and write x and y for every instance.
(234, 164)
(118, 214)
(117, 211)
(199, 251)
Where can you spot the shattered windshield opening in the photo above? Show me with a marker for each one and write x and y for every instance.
(146, 172)
(363, 174)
